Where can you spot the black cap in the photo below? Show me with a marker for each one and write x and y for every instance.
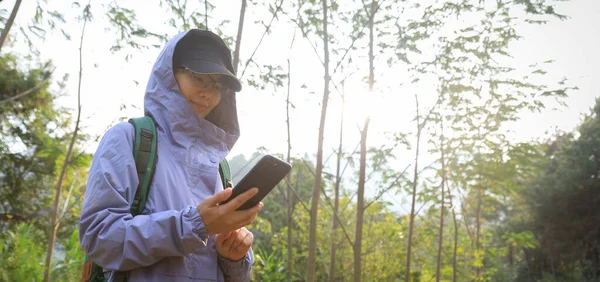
(204, 52)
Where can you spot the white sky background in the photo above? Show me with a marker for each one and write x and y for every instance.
(108, 80)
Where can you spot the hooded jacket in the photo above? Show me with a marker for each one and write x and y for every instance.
(168, 241)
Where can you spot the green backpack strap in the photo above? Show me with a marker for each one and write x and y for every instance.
(144, 153)
(225, 172)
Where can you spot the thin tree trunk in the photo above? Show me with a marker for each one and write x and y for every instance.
(455, 248)
(9, 23)
(360, 202)
(510, 259)
(54, 224)
(414, 195)
(312, 238)
(289, 152)
(336, 198)
(238, 39)
(478, 232)
(441, 232)
(454, 253)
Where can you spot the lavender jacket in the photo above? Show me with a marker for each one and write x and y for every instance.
(168, 241)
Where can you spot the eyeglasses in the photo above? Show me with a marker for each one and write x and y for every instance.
(205, 81)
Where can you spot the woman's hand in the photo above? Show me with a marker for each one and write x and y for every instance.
(235, 244)
(222, 219)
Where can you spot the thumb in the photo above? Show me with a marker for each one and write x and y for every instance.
(220, 239)
(219, 197)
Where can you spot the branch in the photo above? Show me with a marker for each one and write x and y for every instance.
(334, 214)
(386, 189)
(300, 24)
(356, 37)
(419, 210)
(297, 196)
(66, 205)
(464, 213)
(439, 100)
(205, 14)
(347, 163)
(12, 216)
(267, 28)
(366, 10)
(26, 92)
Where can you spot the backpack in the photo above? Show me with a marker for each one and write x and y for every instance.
(144, 152)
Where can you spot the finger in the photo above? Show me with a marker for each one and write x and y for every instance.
(228, 244)
(248, 241)
(218, 198)
(230, 237)
(222, 237)
(246, 217)
(239, 200)
(241, 240)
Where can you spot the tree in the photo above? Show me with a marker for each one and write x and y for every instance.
(442, 194)
(26, 123)
(55, 210)
(312, 241)
(563, 203)
(482, 94)
(290, 202)
(370, 12)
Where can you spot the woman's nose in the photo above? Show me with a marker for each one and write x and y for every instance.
(205, 92)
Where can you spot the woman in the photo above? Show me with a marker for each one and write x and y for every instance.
(191, 97)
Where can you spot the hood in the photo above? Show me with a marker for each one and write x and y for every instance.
(176, 119)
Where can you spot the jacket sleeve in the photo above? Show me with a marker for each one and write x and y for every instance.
(237, 270)
(109, 235)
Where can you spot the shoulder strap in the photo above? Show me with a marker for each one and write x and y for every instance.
(144, 153)
(225, 172)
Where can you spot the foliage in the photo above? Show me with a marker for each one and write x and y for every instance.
(22, 254)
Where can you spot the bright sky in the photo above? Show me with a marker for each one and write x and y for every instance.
(109, 80)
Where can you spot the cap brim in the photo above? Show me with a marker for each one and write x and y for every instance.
(209, 67)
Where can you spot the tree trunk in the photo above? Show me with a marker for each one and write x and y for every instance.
(312, 238)
(238, 39)
(441, 232)
(336, 198)
(510, 259)
(454, 257)
(360, 202)
(289, 152)
(414, 195)
(54, 224)
(9, 23)
(454, 253)
(478, 232)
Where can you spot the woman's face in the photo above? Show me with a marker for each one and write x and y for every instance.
(202, 91)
